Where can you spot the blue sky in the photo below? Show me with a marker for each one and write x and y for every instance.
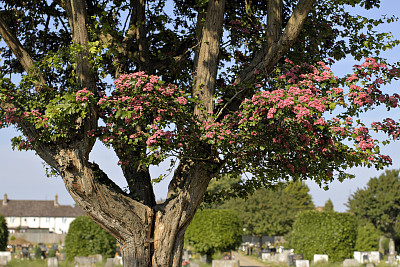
(23, 176)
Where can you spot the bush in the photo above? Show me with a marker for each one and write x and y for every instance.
(3, 233)
(330, 233)
(367, 237)
(86, 238)
(38, 252)
(214, 230)
(51, 253)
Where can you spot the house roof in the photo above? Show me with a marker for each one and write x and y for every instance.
(38, 208)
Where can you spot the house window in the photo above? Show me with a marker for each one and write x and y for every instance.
(47, 219)
(25, 219)
(12, 219)
(64, 220)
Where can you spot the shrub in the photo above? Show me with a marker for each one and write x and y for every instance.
(367, 237)
(38, 252)
(330, 233)
(86, 238)
(3, 233)
(214, 230)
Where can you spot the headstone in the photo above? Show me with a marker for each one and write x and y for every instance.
(203, 258)
(3, 261)
(302, 263)
(192, 264)
(185, 255)
(370, 265)
(320, 258)
(52, 262)
(283, 257)
(81, 261)
(350, 263)
(391, 259)
(7, 254)
(294, 258)
(361, 256)
(98, 258)
(112, 262)
(225, 263)
(374, 257)
(266, 256)
(392, 250)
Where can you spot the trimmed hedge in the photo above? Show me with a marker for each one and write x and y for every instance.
(330, 233)
(86, 238)
(214, 230)
(3, 233)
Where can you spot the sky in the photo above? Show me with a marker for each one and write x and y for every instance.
(23, 175)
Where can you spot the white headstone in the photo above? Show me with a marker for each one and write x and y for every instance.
(320, 258)
(52, 262)
(7, 254)
(3, 261)
(361, 256)
(302, 263)
(374, 257)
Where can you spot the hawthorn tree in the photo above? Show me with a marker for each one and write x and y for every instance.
(215, 86)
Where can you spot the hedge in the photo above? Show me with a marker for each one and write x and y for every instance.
(330, 233)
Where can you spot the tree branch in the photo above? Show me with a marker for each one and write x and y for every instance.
(206, 64)
(16, 47)
(267, 57)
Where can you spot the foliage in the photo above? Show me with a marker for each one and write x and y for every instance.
(86, 238)
(51, 253)
(329, 233)
(367, 237)
(3, 233)
(272, 211)
(38, 252)
(328, 205)
(214, 230)
(379, 203)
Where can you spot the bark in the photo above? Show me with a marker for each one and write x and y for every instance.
(206, 64)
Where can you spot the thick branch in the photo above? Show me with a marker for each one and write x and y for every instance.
(274, 21)
(76, 11)
(16, 47)
(267, 57)
(207, 62)
(137, 177)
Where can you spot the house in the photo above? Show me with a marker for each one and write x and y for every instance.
(38, 216)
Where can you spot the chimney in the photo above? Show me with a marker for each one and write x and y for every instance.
(5, 200)
(56, 201)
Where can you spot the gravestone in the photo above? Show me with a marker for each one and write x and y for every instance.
(392, 250)
(361, 256)
(374, 257)
(391, 259)
(320, 258)
(302, 263)
(283, 257)
(111, 262)
(381, 249)
(294, 258)
(3, 261)
(350, 263)
(266, 256)
(192, 264)
(203, 258)
(52, 262)
(98, 258)
(225, 263)
(7, 254)
(370, 265)
(186, 255)
(81, 261)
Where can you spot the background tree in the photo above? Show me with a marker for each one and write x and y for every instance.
(272, 212)
(3, 233)
(367, 237)
(329, 233)
(86, 238)
(328, 205)
(263, 115)
(379, 203)
(214, 231)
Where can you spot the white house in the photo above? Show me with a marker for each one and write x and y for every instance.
(45, 216)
